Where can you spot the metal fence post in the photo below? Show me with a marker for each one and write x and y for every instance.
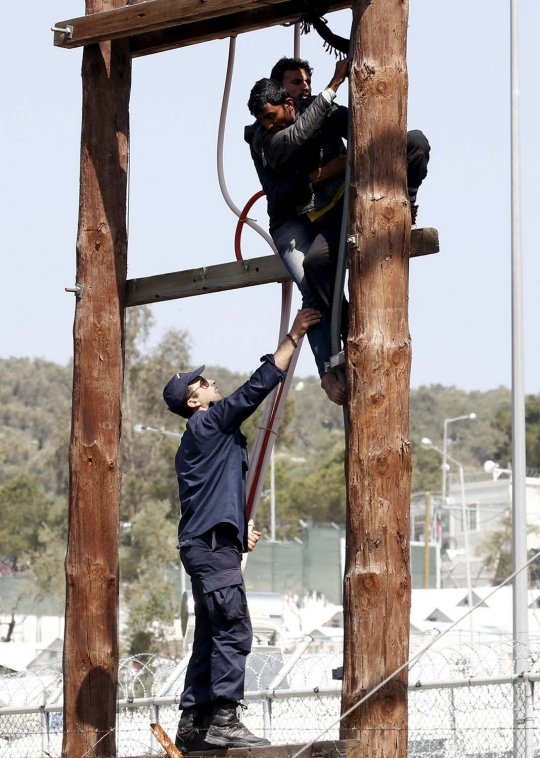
(45, 737)
(267, 716)
(155, 747)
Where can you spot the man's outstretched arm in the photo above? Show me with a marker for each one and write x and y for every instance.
(231, 412)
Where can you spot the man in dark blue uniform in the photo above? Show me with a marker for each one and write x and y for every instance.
(211, 466)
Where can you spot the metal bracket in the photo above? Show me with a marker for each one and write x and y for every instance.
(335, 362)
(77, 290)
(67, 30)
(352, 240)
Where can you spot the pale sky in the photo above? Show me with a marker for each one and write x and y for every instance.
(458, 95)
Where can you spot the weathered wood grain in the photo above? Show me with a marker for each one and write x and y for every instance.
(377, 582)
(165, 741)
(90, 667)
(220, 27)
(157, 25)
(323, 749)
(237, 274)
(201, 281)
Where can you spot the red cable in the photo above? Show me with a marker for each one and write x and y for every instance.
(238, 252)
(249, 504)
(241, 223)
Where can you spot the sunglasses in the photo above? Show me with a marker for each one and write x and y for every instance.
(204, 383)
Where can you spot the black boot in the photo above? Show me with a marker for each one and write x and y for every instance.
(226, 729)
(191, 733)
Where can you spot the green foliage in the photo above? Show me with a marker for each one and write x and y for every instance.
(496, 552)
(147, 551)
(502, 423)
(23, 509)
(35, 397)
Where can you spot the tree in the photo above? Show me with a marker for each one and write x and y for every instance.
(24, 507)
(148, 557)
(496, 552)
(503, 424)
(148, 459)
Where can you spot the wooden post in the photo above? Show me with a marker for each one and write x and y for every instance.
(377, 574)
(91, 634)
(427, 535)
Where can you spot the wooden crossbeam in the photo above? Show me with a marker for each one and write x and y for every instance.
(327, 749)
(224, 26)
(158, 25)
(238, 274)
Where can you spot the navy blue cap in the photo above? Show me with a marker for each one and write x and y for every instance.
(176, 388)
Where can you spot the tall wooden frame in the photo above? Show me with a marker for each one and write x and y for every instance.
(377, 582)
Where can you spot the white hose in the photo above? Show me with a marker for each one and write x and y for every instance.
(257, 473)
(221, 140)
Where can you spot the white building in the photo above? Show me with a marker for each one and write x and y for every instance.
(488, 498)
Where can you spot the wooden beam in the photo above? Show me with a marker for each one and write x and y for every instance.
(327, 749)
(90, 667)
(225, 26)
(174, 23)
(201, 281)
(238, 274)
(377, 583)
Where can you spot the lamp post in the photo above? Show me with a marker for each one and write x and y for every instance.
(428, 443)
(447, 421)
(523, 712)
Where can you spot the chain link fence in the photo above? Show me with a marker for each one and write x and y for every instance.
(463, 701)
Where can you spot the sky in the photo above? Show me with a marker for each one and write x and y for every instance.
(459, 95)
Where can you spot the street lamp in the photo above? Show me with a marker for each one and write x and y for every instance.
(426, 442)
(447, 421)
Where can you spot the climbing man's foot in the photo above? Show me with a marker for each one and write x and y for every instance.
(335, 391)
(414, 214)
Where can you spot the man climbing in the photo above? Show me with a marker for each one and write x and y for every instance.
(417, 145)
(294, 141)
(288, 190)
(211, 465)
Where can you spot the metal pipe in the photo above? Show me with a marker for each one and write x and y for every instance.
(296, 45)
(174, 676)
(465, 519)
(444, 447)
(427, 442)
(293, 660)
(523, 733)
(267, 717)
(272, 496)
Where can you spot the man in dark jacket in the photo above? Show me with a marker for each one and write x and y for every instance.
(291, 190)
(309, 139)
(211, 465)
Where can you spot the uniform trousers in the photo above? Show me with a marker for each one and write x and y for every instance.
(223, 633)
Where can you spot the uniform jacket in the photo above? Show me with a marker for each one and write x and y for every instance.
(212, 462)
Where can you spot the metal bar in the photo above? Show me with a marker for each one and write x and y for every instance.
(465, 519)
(267, 717)
(175, 675)
(45, 737)
(523, 734)
(293, 660)
(307, 692)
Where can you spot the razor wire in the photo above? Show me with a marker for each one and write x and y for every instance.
(460, 701)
